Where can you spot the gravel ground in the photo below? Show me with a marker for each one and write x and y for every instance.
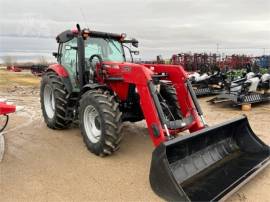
(41, 164)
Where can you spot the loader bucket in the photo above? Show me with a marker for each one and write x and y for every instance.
(208, 165)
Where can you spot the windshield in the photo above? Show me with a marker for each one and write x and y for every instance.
(110, 50)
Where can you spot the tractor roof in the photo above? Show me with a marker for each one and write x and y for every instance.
(70, 34)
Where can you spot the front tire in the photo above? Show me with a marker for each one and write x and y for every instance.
(100, 122)
(53, 101)
(168, 92)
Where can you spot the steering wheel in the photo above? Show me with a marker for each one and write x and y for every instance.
(93, 65)
(95, 56)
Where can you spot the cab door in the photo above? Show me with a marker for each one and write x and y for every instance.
(69, 60)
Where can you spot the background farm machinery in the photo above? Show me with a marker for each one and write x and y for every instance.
(263, 61)
(36, 69)
(197, 62)
(211, 73)
(205, 63)
(235, 62)
(208, 84)
(252, 88)
(237, 86)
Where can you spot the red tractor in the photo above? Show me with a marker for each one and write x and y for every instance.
(94, 84)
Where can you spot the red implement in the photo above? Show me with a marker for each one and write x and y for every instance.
(6, 108)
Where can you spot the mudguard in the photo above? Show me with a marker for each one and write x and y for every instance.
(63, 74)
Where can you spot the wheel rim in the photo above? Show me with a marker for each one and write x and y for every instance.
(92, 124)
(49, 102)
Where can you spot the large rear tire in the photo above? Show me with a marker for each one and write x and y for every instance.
(168, 93)
(100, 122)
(53, 97)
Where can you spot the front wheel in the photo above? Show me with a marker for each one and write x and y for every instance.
(173, 112)
(100, 122)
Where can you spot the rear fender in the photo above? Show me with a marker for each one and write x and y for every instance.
(58, 69)
(63, 74)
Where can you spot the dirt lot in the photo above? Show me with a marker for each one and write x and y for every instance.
(46, 165)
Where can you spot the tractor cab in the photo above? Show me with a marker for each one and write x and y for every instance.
(80, 53)
(111, 47)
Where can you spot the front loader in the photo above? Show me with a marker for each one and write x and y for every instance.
(93, 83)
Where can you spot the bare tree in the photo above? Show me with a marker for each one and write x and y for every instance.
(9, 60)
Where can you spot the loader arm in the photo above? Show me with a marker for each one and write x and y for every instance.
(188, 102)
(142, 76)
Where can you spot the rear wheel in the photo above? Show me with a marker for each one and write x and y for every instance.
(53, 101)
(100, 122)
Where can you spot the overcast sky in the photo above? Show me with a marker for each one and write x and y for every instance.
(162, 27)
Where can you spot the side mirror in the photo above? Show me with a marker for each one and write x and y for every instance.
(55, 54)
(135, 43)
